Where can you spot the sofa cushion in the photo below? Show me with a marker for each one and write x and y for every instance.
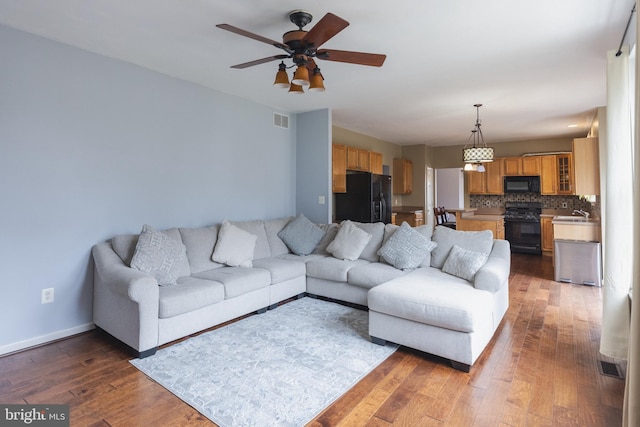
(256, 228)
(463, 263)
(445, 237)
(406, 249)
(373, 274)
(124, 245)
(429, 296)
(200, 242)
(350, 241)
(301, 235)
(237, 280)
(281, 269)
(425, 230)
(161, 256)
(330, 268)
(235, 247)
(188, 294)
(376, 229)
(272, 227)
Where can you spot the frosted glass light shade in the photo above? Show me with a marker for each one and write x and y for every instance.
(282, 80)
(301, 76)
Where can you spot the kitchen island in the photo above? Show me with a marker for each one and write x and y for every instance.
(413, 215)
(480, 219)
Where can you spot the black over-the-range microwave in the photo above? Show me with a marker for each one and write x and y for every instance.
(522, 184)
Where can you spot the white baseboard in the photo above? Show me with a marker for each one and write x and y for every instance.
(43, 339)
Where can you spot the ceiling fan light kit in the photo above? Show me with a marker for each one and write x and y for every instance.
(473, 157)
(302, 47)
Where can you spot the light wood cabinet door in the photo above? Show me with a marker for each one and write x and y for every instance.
(512, 165)
(586, 166)
(339, 168)
(531, 166)
(496, 227)
(352, 158)
(565, 174)
(548, 175)
(476, 182)
(494, 177)
(375, 162)
(546, 231)
(363, 160)
(402, 176)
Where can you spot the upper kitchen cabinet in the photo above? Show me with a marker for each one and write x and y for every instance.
(488, 182)
(339, 168)
(556, 174)
(548, 175)
(527, 166)
(565, 174)
(586, 167)
(358, 159)
(375, 162)
(402, 176)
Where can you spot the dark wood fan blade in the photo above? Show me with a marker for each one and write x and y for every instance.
(253, 36)
(259, 61)
(327, 27)
(372, 59)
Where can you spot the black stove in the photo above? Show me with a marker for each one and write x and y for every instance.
(522, 226)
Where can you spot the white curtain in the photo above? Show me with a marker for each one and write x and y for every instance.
(617, 208)
(631, 411)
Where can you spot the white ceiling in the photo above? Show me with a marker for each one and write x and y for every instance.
(537, 66)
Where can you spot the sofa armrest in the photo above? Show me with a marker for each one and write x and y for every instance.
(111, 271)
(494, 274)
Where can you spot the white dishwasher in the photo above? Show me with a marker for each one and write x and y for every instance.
(578, 262)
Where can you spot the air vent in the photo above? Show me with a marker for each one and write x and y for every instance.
(610, 369)
(280, 121)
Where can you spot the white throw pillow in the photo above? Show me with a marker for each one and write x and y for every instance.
(159, 255)
(463, 263)
(235, 247)
(406, 248)
(350, 241)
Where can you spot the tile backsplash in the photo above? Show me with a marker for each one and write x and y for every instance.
(548, 202)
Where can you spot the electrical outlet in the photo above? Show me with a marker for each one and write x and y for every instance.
(46, 296)
(487, 203)
(564, 205)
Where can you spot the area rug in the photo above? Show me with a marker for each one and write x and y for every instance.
(280, 368)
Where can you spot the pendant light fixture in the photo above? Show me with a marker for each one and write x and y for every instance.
(473, 157)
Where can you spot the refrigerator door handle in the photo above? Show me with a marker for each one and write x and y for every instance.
(383, 207)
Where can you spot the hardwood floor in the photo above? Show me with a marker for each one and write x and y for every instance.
(540, 369)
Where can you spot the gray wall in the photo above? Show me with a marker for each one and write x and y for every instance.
(91, 147)
(314, 165)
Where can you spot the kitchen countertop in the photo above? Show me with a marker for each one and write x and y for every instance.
(407, 209)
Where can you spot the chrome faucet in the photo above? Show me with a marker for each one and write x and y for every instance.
(581, 212)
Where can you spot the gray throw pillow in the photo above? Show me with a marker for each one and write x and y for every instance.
(406, 248)
(350, 241)
(463, 263)
(160, 256)
(301, 235)
(446, 238)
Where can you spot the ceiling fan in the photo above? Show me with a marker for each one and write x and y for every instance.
(302, 47)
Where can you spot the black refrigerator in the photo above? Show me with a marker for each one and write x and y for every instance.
(368, 198)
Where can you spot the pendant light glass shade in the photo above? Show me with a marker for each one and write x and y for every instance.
(301, 76)
(282, 79)
(294, 88)
(317, 81)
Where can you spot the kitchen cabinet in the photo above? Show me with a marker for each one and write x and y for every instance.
(546, 231)
(375, 162)
(413, 216)
(565, 174)
(402, 176)
(548, 175)
(480, 223)
(339, 168)
(358, 159)
(364, 160)
(488, 182)
(586, 166)
(525, 166)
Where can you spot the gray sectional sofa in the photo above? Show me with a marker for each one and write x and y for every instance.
(159, 286)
